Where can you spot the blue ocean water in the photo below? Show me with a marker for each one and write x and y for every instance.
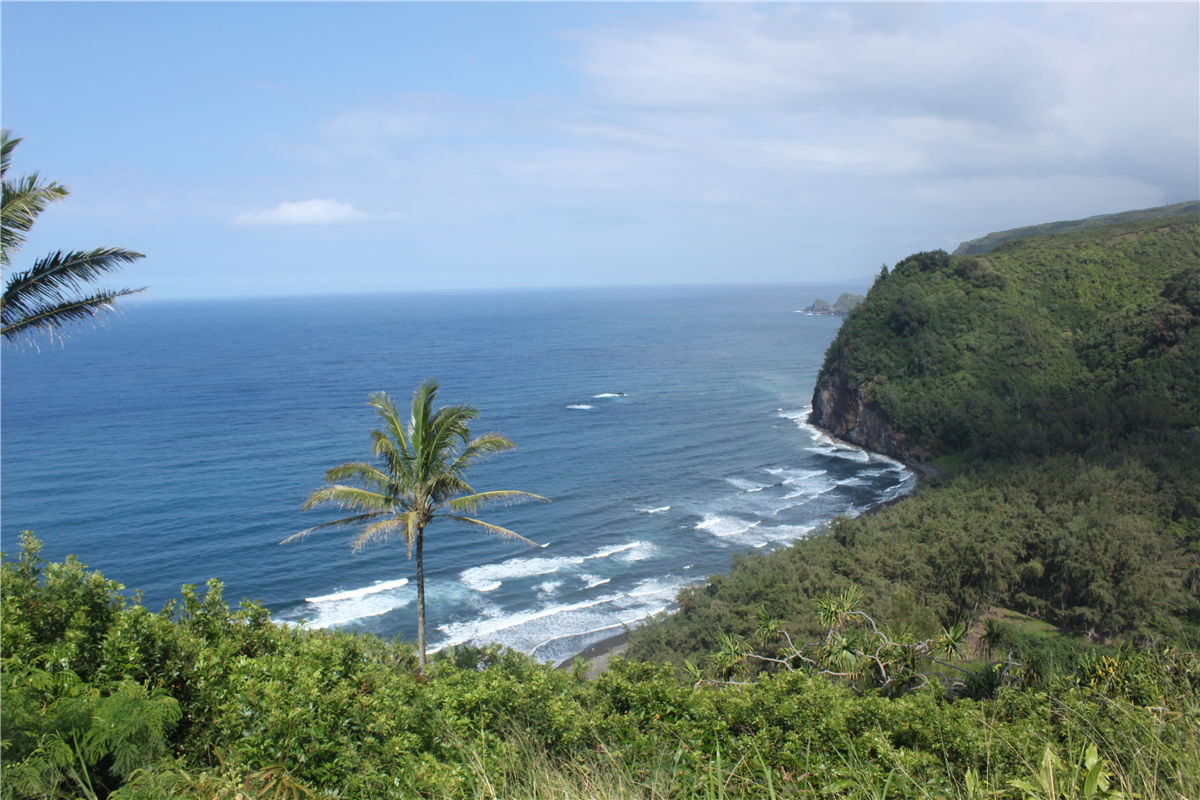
(666, 425)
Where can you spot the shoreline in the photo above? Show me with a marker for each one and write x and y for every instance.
(600, 653)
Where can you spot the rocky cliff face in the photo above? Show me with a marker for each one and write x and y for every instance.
(840, 410)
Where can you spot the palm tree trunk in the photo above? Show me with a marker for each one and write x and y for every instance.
(420, 603)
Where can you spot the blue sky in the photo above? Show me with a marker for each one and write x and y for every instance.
(304, 148)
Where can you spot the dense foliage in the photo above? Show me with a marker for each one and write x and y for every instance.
(106, 699)
(1079, 343)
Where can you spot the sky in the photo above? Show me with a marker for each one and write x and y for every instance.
(259, 149)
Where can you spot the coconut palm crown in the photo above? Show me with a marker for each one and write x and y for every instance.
(420, 476)
(56, 291)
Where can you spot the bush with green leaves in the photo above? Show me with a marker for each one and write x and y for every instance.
(202, 700)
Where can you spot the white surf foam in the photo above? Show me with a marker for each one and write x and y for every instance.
(609, 394)
(592, 581)
(808, 493)
(553, 632)
(548, 588)
(580, 406)
(488, 577)
(657, 586)
(639, 552)
(800, 417)
(341, 608)
(486, 630)
(658, 510)
(612, 550)
(793, 477)
(724, 526)
(902, 488)
(351, 594)
(747, 486)
(787, 533)
(630, 551)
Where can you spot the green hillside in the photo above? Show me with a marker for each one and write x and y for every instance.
(1061, 343)
(986, 244)
(1055, 383)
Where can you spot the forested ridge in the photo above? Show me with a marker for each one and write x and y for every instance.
(1056, 383)
(993, 240)
(1024, 626)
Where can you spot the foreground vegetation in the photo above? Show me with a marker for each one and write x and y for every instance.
(104, 698)
(1023, 627)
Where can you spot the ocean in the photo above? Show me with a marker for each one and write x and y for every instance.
(177, 442)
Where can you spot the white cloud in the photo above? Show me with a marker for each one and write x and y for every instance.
(748, 134)
(304, 212)
(1101, 91)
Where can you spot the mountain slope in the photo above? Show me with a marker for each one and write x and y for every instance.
(986, 244)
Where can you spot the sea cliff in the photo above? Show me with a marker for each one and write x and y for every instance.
(841, 410)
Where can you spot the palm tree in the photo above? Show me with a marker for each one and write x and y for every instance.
(51, 293)
(421, 477)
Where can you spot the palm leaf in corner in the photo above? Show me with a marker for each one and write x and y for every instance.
(57, 290)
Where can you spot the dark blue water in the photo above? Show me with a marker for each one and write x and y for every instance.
(178, 443)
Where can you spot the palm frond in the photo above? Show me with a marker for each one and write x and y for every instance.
(501, 497)
(59, 272)
(8, 143)
(489, 527)
(447, 485)
(448, 424)
(383, 530)
(368, 474)
(53, 316)
(418, 422)
(349, 497)
(47, 296)
(479, 448)
(358, 519)
(394, 456)
(23, 200)
(386, 409)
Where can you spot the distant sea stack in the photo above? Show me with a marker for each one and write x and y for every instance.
(839, 308)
